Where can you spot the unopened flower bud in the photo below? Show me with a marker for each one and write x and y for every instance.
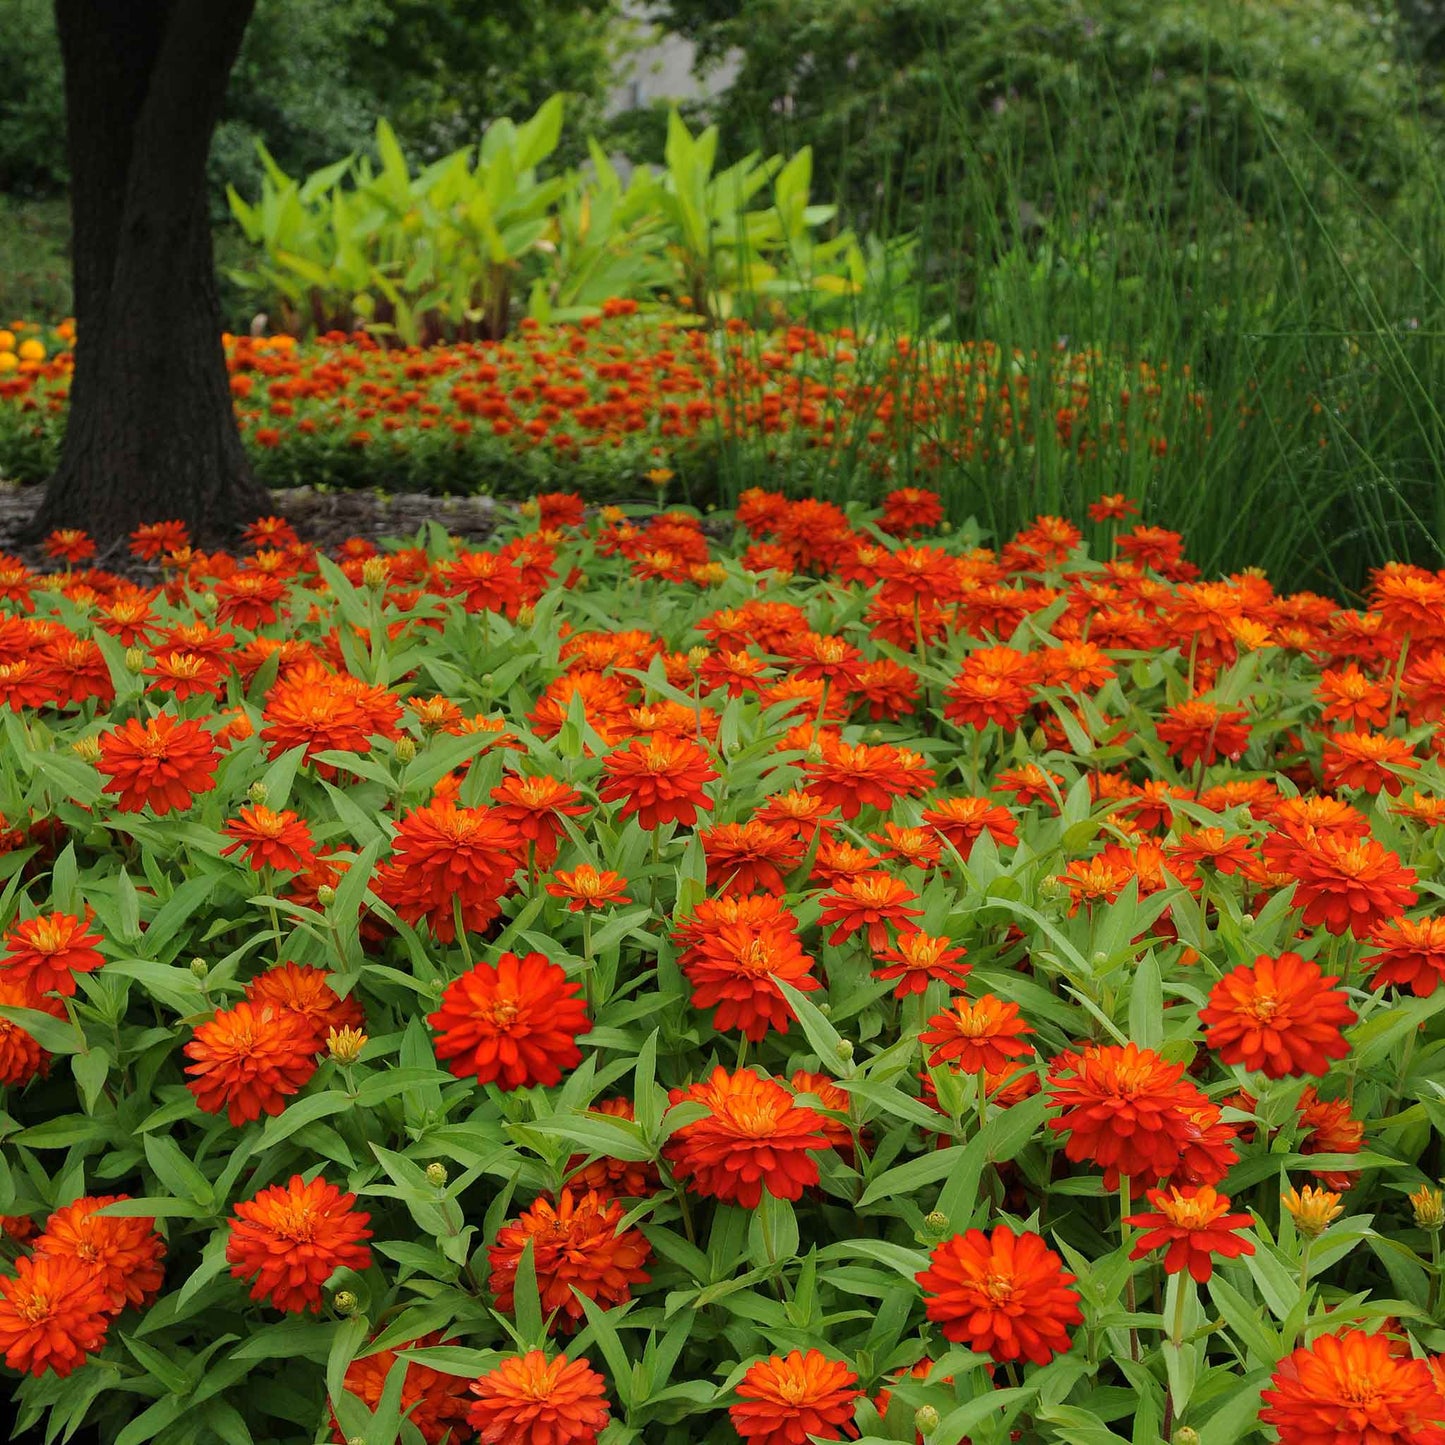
(345, 1045)
(1185, 1435)
(1246, 921)
(843, 1051)
(945, 527)
(925, 1419)
(376, 572)
(825, 1009)
(1429, 1207)
(1038, 740)
(199, 968)
(526, 615)
(258, 792)
(936, 1223)
(345, 1302)
(436, 1175)
(326, 895)
(86, 749)
(487, 680)
(875, 735)
(1313, 1210)
(135, 659)
(207, 602)
(405, 749)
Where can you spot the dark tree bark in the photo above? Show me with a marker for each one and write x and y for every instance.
(151, 435)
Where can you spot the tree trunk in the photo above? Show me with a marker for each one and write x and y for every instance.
(151, 435)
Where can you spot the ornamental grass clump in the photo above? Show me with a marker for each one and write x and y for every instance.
(839, 982)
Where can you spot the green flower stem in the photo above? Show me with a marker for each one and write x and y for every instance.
(1131, 1299)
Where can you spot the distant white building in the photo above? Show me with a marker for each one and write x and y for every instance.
(656, 65)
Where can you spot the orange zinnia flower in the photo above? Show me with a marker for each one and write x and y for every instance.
(21, 1058)
(869, 901)
(447, 859)
(185, 674)
(431, 1400)
(249, 1059)
(153, 539)
(910, 509)
(1076, 667)
(514, 1023)
(1125, 1110)
(124, 1254)
(54, 1311)
(291, 1238)
(585, 887)
(1112, 507)
(1002, 1294)
(1372, 762)
(994, 685)
(305, 991)
(736, 948)
(165, 761)
(851, 777)
(576, 1245)
(886, 689)
(962, 820)
(271, 839)
(752, 856)
(531, 1400)
(661, 781)
(919, 959)
(792, 1400)
(1200, 731)
(977, 1037)
(1349, 884)
(1409, 599)
(1191, 1226)
(753, 1137)
(1281, 1015)
(1328, 1127)
(70, 544)
(1412, 955)
(1353, 1387)
(1351, 697)
(536, 808)
(312, 712)
(44, 954)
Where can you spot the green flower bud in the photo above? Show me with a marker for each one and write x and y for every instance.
(345, 1303)
(925, 1419)
(936, 1223)
(326, 895)
(258, 792)
(436, 1175)
(199, 968)
(844, 1051)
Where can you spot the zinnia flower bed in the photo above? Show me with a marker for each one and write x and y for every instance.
(843, 984)
(623, 404)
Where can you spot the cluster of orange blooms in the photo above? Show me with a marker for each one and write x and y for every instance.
(626, 400)
(824, 738)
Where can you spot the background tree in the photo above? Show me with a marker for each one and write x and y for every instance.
(151, 434)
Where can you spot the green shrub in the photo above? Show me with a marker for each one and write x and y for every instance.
(887, 90)
(442, 253)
